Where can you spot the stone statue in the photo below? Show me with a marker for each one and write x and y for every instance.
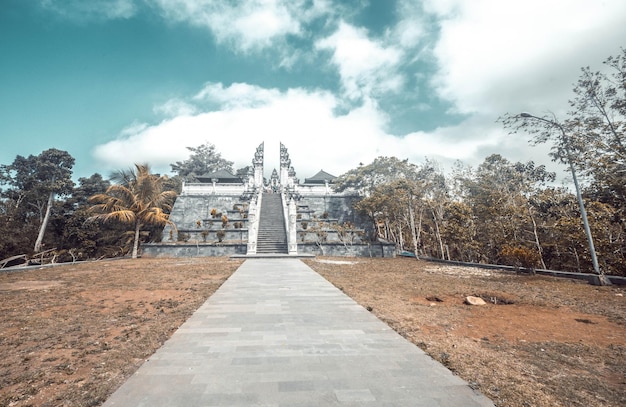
(258, 155)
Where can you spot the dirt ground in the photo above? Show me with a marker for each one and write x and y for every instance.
(70, 335)
(539, 341)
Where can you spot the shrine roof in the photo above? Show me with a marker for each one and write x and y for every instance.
(222, 176)
(320, 178)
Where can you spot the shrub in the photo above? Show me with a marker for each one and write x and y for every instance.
(215, 214)
(520, 256)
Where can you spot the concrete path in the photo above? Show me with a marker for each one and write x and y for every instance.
(278, 334)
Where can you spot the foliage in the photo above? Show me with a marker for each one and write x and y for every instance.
(501, 212)
(382, 170)
(591, 139)
(139, 202)
(519, 256)
(33, 182)
(203, 159)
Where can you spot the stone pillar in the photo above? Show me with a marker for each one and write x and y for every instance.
(292, 181)
(253, 222)
(291, 232)
(285, 163)
(250, 179)
(257, 164)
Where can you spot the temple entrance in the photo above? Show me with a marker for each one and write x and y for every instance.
(226, 215)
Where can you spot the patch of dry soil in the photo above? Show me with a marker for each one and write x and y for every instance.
(539, 341)
(70, 335)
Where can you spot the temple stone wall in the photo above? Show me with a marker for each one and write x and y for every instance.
(337, 207)
(211, 217)
(192, 215)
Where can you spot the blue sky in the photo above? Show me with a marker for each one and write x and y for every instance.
(116, 82)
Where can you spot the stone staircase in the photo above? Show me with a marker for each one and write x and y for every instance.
(272, 237)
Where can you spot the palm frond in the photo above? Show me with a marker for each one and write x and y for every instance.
(138, 200)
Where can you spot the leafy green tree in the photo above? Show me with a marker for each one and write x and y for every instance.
(599, 112)
(139, 202)
(34, 182)
(403, 200)
(459, 232)
(77, 237)
(563, 236)
(499, 194)
(203, 159)
(592, 137)
(435, 195)
(382, 170)
(87, 187)
(390, 206)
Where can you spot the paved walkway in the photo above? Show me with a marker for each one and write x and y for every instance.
(278, 334)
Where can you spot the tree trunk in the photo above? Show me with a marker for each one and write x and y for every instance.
(443, 255)
(537, 243)
(413, 227)
(400, 237)
(136, 242)
(418, 234)
(44, 223)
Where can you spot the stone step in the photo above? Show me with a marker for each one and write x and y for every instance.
(271, 237)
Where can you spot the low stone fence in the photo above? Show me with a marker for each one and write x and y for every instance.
(377, 249)
(192, 250)
(590, 278)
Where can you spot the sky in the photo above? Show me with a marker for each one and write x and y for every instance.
(339, 83)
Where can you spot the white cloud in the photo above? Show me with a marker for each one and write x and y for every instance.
(236, 95)
(248, 25)
(410, 29)
(175, 107)
(366, 67)
(495, 55)
(316, 137)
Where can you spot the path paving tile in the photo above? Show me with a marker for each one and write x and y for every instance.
(278, 334)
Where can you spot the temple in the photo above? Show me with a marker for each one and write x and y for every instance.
(226, 215)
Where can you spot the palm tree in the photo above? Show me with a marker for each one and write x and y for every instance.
(138, 201)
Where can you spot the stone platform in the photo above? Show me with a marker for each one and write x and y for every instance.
(278, 334)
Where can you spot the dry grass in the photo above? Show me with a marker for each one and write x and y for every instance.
(70, 335)
(540, 341)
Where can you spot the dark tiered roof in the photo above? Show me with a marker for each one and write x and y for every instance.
(320, 178)
(222, 176)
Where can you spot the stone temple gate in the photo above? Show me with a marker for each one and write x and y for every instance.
(223, 214)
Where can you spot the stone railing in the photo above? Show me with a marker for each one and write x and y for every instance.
(290, 214)
(212, 189)
(316, 190)
(253, 222)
